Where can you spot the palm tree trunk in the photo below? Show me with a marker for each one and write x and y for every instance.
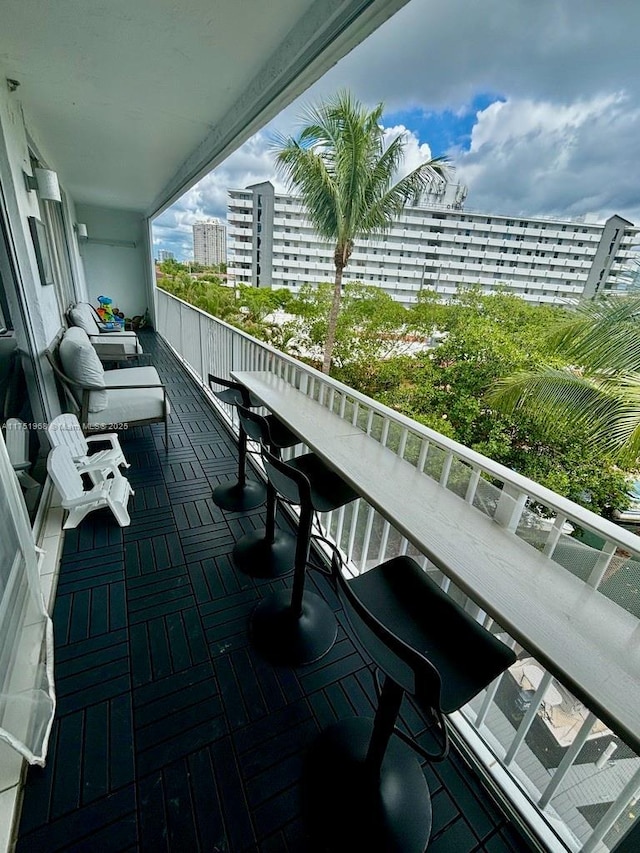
(332, 322)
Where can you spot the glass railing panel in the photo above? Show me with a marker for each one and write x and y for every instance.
(621, 582)
(459, 478)
(413, 448)
(376, 427)
(486, 496)
(396, 438)
(435, 462)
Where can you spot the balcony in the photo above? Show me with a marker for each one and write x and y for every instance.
(171, 733)
(161, 698)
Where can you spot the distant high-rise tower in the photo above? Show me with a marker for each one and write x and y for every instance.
(166, 255)
(209, 243)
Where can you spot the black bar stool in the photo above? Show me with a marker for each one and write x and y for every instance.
(267, 552)
(244, 494)
(364, 788)
(295, 626)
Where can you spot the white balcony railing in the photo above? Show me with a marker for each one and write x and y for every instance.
(566, 773)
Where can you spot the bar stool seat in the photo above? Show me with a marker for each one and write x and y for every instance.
(243, 494)
(267, 552)
(296, 626)
(363, 784)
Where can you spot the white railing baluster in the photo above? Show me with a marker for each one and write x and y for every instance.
(604, 561)
(385, 432)
(402, 446)
(446, 470)
(527, 720)
(510, 507)
(369, 422)
(422, 457)
(353, 527)
(472, 486)
(366, 539)
(568, 761)
(628, 793)
(343, 405)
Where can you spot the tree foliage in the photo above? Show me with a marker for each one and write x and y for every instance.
(489, 337)
(446, 387)
(345, 172)
(590, 382)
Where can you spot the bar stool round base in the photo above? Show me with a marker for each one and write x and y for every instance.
(256, 556)
(283, 638)
(348, 808)
(239, 498)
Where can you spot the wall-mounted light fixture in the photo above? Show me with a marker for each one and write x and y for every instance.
(45, 181)
(81, 231)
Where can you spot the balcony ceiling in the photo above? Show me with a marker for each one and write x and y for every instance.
(131, 102)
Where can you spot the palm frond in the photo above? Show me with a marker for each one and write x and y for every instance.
(600, 334)
(607, 406)
(340, 161)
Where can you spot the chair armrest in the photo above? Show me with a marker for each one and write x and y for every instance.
(98, 491)
(86, 467)
(111, 437)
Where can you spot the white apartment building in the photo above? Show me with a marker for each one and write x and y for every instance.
(209, 243)
(438, 246)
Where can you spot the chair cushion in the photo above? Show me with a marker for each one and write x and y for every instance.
(132, 404)
(117, 344)
(81, 315)
(82, 365)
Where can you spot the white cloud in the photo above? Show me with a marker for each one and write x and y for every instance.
(415, 152)
(536, 157)
(562, 137)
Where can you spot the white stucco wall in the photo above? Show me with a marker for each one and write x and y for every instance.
(115, 257)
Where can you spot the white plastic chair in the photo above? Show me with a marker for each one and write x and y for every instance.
(65, 431)
(113, 492)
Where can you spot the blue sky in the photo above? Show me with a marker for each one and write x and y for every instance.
(443, 130)
(537, 106)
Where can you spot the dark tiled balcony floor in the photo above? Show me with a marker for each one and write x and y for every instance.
(171, 733)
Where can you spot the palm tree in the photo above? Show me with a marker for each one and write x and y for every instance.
(343, 172)
(600, 391)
